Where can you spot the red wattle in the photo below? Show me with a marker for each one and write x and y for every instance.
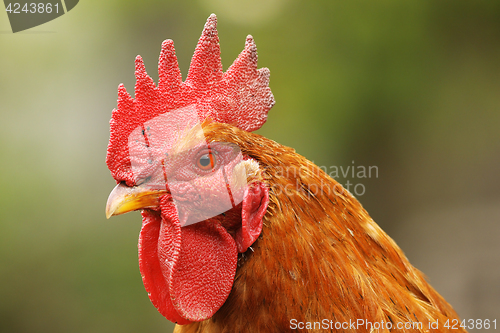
(188, 272)
(205, 271)
(153, 276)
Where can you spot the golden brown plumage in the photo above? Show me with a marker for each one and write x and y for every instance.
(320, 256)
(239, 233)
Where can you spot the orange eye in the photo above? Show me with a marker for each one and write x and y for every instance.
(206, 161)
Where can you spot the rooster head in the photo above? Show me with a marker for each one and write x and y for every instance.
(202, 201)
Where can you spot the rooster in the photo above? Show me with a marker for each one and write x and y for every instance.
(240, 233)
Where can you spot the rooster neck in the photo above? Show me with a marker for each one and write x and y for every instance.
(320, 257)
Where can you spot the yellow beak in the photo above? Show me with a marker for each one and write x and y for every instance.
(124, 199)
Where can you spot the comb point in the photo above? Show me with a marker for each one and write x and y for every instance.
(206, 67)
(123, 94)
(139, 66)
(211, 22)
(169, 74)
(249, 41)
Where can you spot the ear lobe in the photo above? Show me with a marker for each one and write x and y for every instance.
(255, 201)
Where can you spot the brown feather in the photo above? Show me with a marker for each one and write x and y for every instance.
(320, 256)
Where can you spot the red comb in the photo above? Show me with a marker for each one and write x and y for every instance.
(241, 96)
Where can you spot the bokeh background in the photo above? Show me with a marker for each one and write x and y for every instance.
(412, 87)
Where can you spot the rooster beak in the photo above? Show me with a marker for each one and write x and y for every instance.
(124, 199)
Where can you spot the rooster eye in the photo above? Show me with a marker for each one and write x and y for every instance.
(206, 161)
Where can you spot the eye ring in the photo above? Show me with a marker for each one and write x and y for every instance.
(206, 161)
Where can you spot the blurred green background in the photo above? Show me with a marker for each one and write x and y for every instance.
(412, 87)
